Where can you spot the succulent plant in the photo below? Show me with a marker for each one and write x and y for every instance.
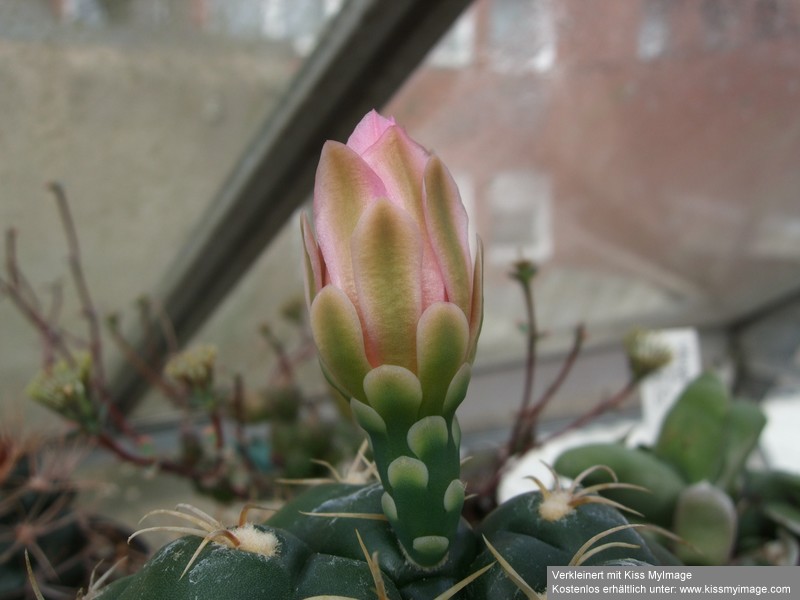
(333, 541)
(701, 485)
(396, 307)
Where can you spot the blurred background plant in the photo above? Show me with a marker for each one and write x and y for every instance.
(236, 445)
(706, 480)
(232, 443)
(706, 483)
(645, 353)
(69, 544)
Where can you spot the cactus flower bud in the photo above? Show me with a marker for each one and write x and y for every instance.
(66, 388)
(647, 353)
(389, 276)
(396, 305)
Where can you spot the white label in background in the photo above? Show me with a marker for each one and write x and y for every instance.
(660, 390)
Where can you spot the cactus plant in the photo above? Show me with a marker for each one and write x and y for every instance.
(332, 541)
(396, 308)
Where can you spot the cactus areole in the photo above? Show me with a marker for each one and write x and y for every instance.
(396, 304)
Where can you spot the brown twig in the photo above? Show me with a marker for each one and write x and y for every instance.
(524, 273)
(143, 368)
(526, 437)
(285, 366)
(89, 311)
(109, 443)
(219, 432)
(212, 476)
(52, 337)
(25, 299)
(531, 416)
(600, 408)
(74, 260)
(56, 304)
(15, 275)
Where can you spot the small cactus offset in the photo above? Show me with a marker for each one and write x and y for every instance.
(396, 305)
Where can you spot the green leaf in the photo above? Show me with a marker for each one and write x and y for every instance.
(784, 514)
(693, 431)
(706, 519)
(631, 465)
(743, 427)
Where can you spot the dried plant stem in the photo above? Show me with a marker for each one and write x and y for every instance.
(15, 276)
(600, 408)
(531, 417)
(25, 300)
(89, 311)
(110, 443)
(518, 430)
(145, 370)
(219, 432)
(524, 436)
(99, 420)
(285, 365)
(78, 277)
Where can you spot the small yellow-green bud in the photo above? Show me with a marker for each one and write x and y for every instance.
(647, 353)
(193, 367)
(65, 388)
(524, 271)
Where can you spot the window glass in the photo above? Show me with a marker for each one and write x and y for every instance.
(140, 109)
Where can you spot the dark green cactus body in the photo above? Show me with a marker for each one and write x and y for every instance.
(327, 575)
(322, 555)
(217, 572)
(317, 556)
(337, 535)
(530, 543)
